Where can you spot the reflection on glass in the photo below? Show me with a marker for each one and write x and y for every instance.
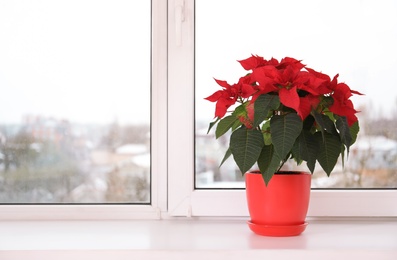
(356, 39)
(72, 127)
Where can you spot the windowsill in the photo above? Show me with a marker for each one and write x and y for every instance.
(150, 239)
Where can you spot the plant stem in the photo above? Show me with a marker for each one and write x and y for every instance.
(281, 166)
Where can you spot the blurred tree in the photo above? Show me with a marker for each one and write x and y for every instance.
(111, 140)
(136, 134)
(17, 151)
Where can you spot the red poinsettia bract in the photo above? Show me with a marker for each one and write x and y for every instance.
(299, 88)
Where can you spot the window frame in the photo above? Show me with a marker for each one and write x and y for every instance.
(172, 147)
(158, 149)
(183, 199)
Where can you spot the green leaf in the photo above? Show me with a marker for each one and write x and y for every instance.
(284, 130)
(267, 176)
(306, 148)
(227, 155)
(268, 163)
(354, 129)
(263, 105)
(267, 138)
(319, 121)
(266, 133)
(212, 124)
(343, 156)
(265, 157)
(325, 123)
(329, 125)
(329, 149)
(308, 122)
(241, 110)
(344, 131)
(246, 146)
(273, 167)
(224, 125)
(236, 124)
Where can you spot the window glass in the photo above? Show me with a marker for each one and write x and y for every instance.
(356, 39)
(75, 101)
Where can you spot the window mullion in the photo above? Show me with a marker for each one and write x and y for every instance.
(180, 106)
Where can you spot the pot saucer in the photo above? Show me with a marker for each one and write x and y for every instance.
(277, 231)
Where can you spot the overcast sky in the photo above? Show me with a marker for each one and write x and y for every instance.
(89, 61)
(355, 38)
(86, 61)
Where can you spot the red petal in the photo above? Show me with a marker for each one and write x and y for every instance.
(214, 97)
(222, 105)
(294, 64)
(307, 104)
(248, 119)
(290, 98)
(342, 91)
(319, 75)
(344, 109)
(266, 74)
(356, 92)
(252, 62)
(222, 83)
(247, 90)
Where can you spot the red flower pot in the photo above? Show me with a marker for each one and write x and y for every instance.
(280, 208)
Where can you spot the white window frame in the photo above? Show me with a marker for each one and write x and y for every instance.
(172, 150)
(183, 199)
(158, 149)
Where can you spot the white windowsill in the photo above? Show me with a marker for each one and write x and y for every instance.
(194, 239)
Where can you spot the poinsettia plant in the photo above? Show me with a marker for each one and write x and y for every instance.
(282, 110)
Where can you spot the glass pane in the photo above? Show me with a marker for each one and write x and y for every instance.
(356, 39)
(72, 129)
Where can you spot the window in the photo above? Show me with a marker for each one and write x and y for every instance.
(222, 35)
(75, 131)
(310, 32)
(174, 38)
(89, 79)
